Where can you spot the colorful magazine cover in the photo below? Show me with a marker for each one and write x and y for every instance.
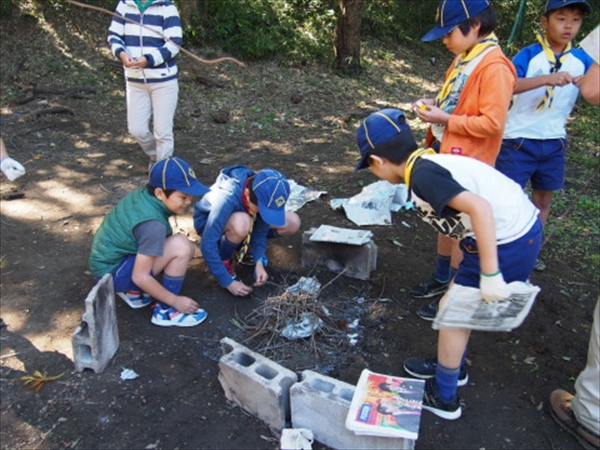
(384, 405)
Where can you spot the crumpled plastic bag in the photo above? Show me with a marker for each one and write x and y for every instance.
(308, 324)
(296, 439)
(305, 285)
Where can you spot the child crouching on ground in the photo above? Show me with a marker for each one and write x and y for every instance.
(135, 243)
(497, 226)
(244, 209)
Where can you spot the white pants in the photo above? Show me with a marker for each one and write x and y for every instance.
(586, 404)
(159, 101)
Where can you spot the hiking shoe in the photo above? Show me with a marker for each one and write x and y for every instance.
(429, 288)
(135, 299)
(228, 263)
(170, 317)
(424, 368)
(560, 408)
(428, 312)
(446, 409)
(539, 265)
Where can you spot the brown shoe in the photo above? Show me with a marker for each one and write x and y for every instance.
(560, 408)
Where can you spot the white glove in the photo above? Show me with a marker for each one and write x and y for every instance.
(11, 168)
(296, 439)
(493, 287)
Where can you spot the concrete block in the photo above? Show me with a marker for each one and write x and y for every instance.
(96, 340)
(321, 404)
(256, 383)
(356, 261)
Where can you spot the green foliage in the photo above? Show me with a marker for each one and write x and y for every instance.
(294, 30)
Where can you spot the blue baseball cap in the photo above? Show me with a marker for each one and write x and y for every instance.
(175, 173)
(272, 190)
(551, 5)
(385, 129)
(450, 13)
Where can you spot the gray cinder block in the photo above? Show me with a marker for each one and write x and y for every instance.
(356, 261)
(256, 383)
(321, 404)
(96, 340)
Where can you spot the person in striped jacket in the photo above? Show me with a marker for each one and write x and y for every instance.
(147, 49)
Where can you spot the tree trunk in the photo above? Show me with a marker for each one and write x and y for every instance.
(347, 37)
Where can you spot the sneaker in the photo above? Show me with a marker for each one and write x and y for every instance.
(170, 317)
(429, 288)
(539, 265)
(424, 368)
(446, 409)
(229, 266)
(560, 408)
(135, 299)
(428, 312)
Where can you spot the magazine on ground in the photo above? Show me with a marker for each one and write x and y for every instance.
(464, 308)
(386, 406)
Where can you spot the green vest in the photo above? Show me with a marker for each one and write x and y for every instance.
(114, 239)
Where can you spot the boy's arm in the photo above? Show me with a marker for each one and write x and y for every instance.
(492, 284)
(589, 85)
(142, 277)
(553, 79)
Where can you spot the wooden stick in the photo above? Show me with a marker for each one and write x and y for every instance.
(190, 54)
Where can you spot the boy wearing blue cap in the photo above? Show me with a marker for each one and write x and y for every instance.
(135, 243)
(549, 72)
(242, 210)
(497, 226)
(468, 115)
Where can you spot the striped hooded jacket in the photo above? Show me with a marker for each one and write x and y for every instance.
(162, 16)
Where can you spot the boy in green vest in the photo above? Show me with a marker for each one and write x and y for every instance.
(135, 243)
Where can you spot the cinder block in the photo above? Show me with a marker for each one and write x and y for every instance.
(96, 340)
(321, 404)
(356, 261)
(256, 383)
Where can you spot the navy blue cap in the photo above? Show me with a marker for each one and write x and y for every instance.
(450, 13)
(551, 5)
(175, 173)
(272, 190)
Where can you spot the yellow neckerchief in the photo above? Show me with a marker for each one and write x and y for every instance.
(555, 65)
(490, 41)
(245, 246)
(412, 159)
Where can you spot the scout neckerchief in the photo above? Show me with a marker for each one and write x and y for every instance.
(143, 4)
(243, 250)
(412, 159)
(464, 65)
(555, 64)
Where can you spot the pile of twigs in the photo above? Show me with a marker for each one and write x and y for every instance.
(265, 324)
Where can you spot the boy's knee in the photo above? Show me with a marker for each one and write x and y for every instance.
(180, 245)
(292, 225)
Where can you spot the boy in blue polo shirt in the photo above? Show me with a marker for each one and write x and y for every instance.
(135, 243)
(497, 226)
(535, 143)
(243, 209)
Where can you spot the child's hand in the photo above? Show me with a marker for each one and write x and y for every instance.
(239, 289)
(493, 287)
(423, 104)
(560, 79)
(186, 305)
(260, 274)
(432, 114)
(126, 59)
(139, 63)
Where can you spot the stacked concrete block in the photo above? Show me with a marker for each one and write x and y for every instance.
(320, 404)
(96, 340)
(256, 383)
(355, 261)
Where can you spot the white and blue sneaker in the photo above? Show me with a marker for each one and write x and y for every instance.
(135, 299)
(170, 317)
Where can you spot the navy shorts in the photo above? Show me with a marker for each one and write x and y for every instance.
(516, 258)
(541, 161)
(122, 281)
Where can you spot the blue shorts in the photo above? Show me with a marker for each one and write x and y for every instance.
(122, 281)
(541, 161)
(516, 258)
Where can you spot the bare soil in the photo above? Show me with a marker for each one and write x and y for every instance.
(300, 121)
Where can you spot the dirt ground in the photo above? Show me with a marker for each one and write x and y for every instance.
(300, 121)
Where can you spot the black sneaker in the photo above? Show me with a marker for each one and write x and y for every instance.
(429, 288)
(446, 409)
(424, 368)
(428, 312)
